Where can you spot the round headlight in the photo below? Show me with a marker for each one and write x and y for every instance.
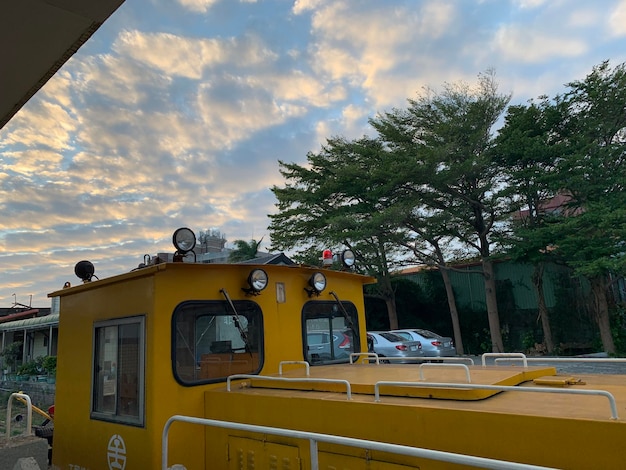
(184, 240)
(84, 270)
(348, 258)
(318, 282)
(257, 279)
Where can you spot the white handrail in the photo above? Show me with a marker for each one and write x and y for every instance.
(29, 413)
(618, 360)
(423, 358)
(521, 356)
(314, 438)
(430, 364)
(305, 363)
(501, 388)
(450, 359)
(288, 379)
(364, 355)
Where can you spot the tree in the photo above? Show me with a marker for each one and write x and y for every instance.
(590, 233)
(448, 136)
(344, 197)
(244, 250)
(528, 150)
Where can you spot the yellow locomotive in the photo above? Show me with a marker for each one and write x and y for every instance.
(236, 366)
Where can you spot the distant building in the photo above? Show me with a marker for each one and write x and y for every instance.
(36, 328)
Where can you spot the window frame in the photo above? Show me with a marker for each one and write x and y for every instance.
(352, 311)
(227, 312)
(116, 417)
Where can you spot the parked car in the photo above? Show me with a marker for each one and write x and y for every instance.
(433, 345)
(387, 344)
(319, 345)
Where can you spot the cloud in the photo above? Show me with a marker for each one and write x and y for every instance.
(529, 3)
(377, 47)
(175, 113)
(197, 6)
(617, 19)
(188, 57)
(48, 124)
(526, 44)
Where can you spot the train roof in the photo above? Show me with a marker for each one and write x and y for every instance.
(197, 268)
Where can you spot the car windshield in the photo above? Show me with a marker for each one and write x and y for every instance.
(394, 338)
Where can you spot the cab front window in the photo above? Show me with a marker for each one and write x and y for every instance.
(212, 341)
(330, 332)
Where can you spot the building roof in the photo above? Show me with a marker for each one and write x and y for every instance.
(280, 258)
(38, 37)
(31, 312)
(37, 323)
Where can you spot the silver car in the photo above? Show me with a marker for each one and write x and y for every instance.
(387, 344)
(433, 345)
(320, 349)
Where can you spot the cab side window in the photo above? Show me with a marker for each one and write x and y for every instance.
(211, 341)
(118, 371)
(330, 332)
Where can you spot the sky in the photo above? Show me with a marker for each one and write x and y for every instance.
(176, 112)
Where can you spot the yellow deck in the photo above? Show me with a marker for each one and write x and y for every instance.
(362, 378)
(547, 429)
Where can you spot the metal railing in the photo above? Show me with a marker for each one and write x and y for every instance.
(304, 363)
(509, 356)
(364, 357)
(583, 360)
(29, 413)
(499, 388)
(292, 380)
(458, 366)
(315, 438)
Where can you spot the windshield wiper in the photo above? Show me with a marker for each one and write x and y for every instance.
(237, 322)
(346, 315)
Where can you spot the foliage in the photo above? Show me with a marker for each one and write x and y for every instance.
(618, 329)
(49, 365)
(343, 198)
(244, 250)
(30, 368)
(435, 178)
(12, 353)
(452, 181)
(38, 366)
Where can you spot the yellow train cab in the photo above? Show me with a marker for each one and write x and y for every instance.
(184, 365)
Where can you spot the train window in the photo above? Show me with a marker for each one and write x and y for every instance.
(211, 341)
(118, 375)
(330, 332)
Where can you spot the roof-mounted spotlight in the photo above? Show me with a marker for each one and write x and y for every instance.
(84, 270)
(184, 241)
(317, 281)
(257, 280)
(348, 259)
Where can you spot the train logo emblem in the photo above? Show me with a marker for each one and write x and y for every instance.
(116, 453)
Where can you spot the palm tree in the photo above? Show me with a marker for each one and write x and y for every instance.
(244, 250)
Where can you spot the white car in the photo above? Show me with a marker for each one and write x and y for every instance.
(387, 344)
(433, 345)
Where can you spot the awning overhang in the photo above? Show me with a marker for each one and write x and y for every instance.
(38, 37)
(28, 324)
